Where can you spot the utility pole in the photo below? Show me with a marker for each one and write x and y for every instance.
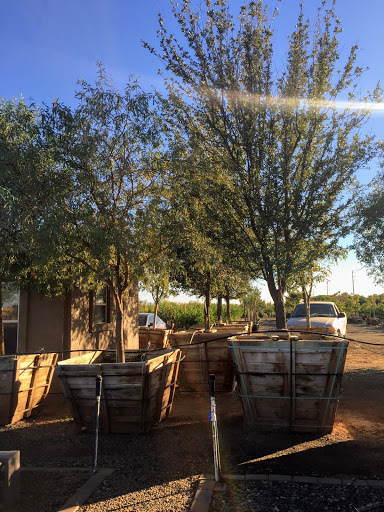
(353, 281)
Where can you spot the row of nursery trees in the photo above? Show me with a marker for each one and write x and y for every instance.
(244, 168)
(182, 315)
(251, 307)
(353, 305)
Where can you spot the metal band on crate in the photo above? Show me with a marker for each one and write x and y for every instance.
(242, 381)
(260, 374)
(289, 397)
(286, 425)
(287, 348)
(333, 383)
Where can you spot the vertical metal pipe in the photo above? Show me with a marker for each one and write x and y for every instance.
(99, 381)
(215, 434)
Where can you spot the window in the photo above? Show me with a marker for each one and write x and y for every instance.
(315, 310)
(10, 310)
(99, 308)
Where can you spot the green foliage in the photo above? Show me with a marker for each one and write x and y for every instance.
(353, 305)
(293, 299)
(254, 306)
(109, 147)
(369, 228)
(184, 315)
(80, 187)
(279, 154)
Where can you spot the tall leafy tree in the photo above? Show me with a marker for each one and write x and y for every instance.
(368, 216)
(157, 279)
(109, 147)
(252, 304)
(287, 151)
(208, 266)
(315, 272)
(25, 162)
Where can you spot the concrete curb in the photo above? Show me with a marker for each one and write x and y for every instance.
(203, 495)
(86, 490)
(207, 485)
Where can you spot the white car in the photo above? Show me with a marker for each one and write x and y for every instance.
(146, 320)
(325, 318)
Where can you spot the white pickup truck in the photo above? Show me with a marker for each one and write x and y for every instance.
(325, 317)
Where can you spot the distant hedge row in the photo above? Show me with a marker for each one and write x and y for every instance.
(183, 315)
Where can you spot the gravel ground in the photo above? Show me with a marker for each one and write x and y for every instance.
(288, 497)
(56, 488)
(120, 492)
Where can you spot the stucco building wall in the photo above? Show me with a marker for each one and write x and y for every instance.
(66, 325)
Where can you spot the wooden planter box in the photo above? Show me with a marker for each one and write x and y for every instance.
(24, 383)
(204, 353)
(238, 327)
(136, 394)
(153, 338)
(289, 383)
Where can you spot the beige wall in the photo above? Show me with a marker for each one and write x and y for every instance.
(40, 323)
(63, 325)
(85, 334)
(131, 319)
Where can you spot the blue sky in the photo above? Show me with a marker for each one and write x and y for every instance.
(47, 45)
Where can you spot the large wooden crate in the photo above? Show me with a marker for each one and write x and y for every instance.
(203, 354)
(136, 394)
(24, 383)
(289, 383)
(153, 338)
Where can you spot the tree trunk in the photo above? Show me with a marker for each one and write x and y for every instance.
(119, 336)
(207, 305)
(2, 343)
(307, 315)
(228, 304)
(277, 295)
(155, 314)
(307, 298)
(66, 343)
(220, 309)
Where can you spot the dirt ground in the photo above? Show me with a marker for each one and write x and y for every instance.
(160, 470)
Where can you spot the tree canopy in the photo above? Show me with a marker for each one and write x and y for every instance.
(110, 147)
(287, 152)
(369, 229)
